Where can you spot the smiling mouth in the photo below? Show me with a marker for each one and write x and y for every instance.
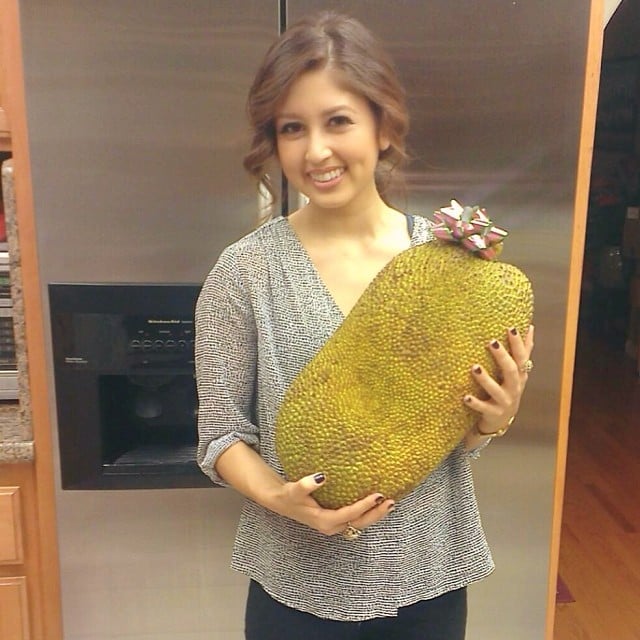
(326, 176)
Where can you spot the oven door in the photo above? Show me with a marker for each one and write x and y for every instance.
(8, 364)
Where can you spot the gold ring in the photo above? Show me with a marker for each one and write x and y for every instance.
(351, 533)
(527, 367)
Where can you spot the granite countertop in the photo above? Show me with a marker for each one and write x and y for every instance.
(16, 433)
(13, 446)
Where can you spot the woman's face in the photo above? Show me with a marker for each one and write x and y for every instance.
(328, 142)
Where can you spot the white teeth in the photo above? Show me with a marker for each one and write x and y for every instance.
(326, 177)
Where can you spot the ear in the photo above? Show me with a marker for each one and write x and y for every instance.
(383, 142)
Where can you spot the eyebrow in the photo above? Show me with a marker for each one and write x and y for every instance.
(326, 112)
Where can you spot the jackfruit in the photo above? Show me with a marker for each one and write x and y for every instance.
(381, 404)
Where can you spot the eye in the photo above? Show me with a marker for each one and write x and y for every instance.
(289, 128)
(340, 121)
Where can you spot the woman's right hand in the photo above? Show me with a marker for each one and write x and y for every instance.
(295, 500)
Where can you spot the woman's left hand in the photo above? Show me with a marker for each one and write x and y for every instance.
(497, 411)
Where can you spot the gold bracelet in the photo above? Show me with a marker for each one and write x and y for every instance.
(494, 434)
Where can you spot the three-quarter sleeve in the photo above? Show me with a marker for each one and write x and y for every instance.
(225, 364)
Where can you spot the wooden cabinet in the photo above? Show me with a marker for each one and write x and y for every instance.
(11, 549)
(29, 567)
(5, 132)
(14, 609)
(15, 612)
(22, 607)
(14, 599)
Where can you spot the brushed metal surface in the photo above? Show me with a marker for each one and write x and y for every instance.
(495, 90)
(137, 130)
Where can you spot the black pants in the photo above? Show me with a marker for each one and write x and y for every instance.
(443, 618)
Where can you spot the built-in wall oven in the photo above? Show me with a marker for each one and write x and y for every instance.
(8, 364)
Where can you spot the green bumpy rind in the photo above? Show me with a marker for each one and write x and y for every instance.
(380, 405)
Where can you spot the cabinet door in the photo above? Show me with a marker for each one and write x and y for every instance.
(10, 526)
(14, 611)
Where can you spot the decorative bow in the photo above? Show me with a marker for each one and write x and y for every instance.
(470, 227)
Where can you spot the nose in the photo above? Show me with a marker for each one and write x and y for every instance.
(318, 149)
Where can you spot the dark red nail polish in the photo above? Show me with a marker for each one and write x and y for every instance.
(392, 506)
(495, 344)
(513, 331)
(477, 369)
(379, 500)
(319, 478)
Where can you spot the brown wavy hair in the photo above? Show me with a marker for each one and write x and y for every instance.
(340, 42)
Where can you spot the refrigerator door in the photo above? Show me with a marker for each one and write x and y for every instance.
(495, 92)
(136, 136)
(137, 133)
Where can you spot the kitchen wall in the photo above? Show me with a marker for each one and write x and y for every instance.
(610, 7)
(621, 42)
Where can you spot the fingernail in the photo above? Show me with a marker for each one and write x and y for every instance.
(379, 500)
(513, 331)
(495, 344)
(319, 478)
(467, 399)
(477, 369)
(391, 507)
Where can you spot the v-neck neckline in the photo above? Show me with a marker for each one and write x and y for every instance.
(329, 298)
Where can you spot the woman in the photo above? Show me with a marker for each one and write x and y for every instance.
(326, 104)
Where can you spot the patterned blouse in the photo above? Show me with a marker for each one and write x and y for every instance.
(261, 316)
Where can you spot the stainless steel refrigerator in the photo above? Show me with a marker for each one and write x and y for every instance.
(136, 135)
